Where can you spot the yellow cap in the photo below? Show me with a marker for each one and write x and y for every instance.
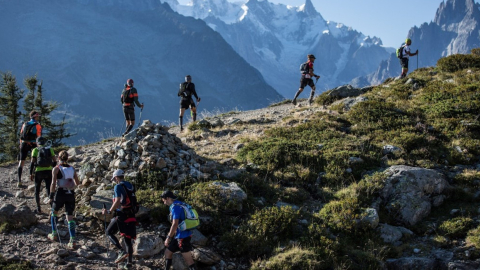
(408, 40)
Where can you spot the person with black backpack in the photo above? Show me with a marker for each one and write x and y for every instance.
(128, 99)
(307, 74)
(124, 208)
(187, 89)
(29, 133)
(403, 54)
(43, 157)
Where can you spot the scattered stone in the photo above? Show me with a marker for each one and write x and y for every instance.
(147, 245)
(20, 194)
(63, 253)
(205, 256)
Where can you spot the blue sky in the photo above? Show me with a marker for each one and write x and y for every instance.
(382, 18)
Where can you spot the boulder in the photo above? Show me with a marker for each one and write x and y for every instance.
(178, 263)
(349, 102)
(147, 245)
(370, 218)
(206, 256)
(21, 216)
(390, 149)
(412, 263)
(97, 201)
(345, 91)
(233, 196)
(198, 239)
(392, 234)
(408, 192)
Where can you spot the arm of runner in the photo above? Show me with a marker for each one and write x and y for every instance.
(412, 54)
(53, 186)
(32, 167)
(75, 178)
(194, 91)
(172, 232)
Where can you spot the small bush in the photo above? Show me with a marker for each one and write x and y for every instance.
(340, 215)
(473, 237)
(456, 227)
(24, 265)
(292, 259)
(458, 62)
(208, 198)
(475, 51)
(263, 231)
(152, 200)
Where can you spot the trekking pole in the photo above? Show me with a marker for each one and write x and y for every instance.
(417, 59)
(105, 223)
(140, 118)
(58, 233)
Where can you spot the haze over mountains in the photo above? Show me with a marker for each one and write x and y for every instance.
(275, 39)
(85, 50)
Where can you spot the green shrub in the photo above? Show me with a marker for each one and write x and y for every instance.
(152, 200)
(456, 227)
(293, 259)
(22, 265)
(340, 215)
(473, 237)
(263, 231)
(209, 199)
(475, 51)
(365, 190)
(294, 195)
(458, 62)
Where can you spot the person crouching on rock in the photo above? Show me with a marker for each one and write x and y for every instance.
(124, 217)
(62, 194)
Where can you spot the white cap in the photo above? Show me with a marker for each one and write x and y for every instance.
(117, 173)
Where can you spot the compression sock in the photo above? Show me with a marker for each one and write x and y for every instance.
(310, 99)
(194, 117)
(296, 95)
(53, 221)
(19, 172)
(180, 121)
(168, 263)
(128, 243)
(71, 228)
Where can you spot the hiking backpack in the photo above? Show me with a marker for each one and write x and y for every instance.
(126, 94)
(44, 158)
(27, 132)
(304, 68)
(400, 51)
(132, 204)
(66, 181)
(182, 92)
(192, 220)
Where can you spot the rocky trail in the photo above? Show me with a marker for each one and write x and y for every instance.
(204, 153)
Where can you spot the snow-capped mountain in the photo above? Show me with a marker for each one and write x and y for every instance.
(85, 50)
(276, 38)
(455, 29)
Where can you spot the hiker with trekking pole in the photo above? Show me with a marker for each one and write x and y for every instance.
(403, 54)
(187, 89)
(128, 99)
(123, 209)
(307, 74)
(64, 181)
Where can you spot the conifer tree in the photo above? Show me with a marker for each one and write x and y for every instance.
(10, 116)
(29, 100)
(54, 132)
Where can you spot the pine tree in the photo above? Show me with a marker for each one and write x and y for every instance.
(54, 132)
(29, 100)
(10, 116)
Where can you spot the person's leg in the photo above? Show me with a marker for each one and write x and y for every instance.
(128, 243)
(38, 185)
(24, 148)
(168, 259)
(194, 113)
(48, 182)
(312, 93)
(180, 118)
(56, 205)
(112, 229)
(186, 249)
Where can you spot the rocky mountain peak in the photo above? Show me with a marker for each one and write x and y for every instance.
(454, 11)
(309, 9)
